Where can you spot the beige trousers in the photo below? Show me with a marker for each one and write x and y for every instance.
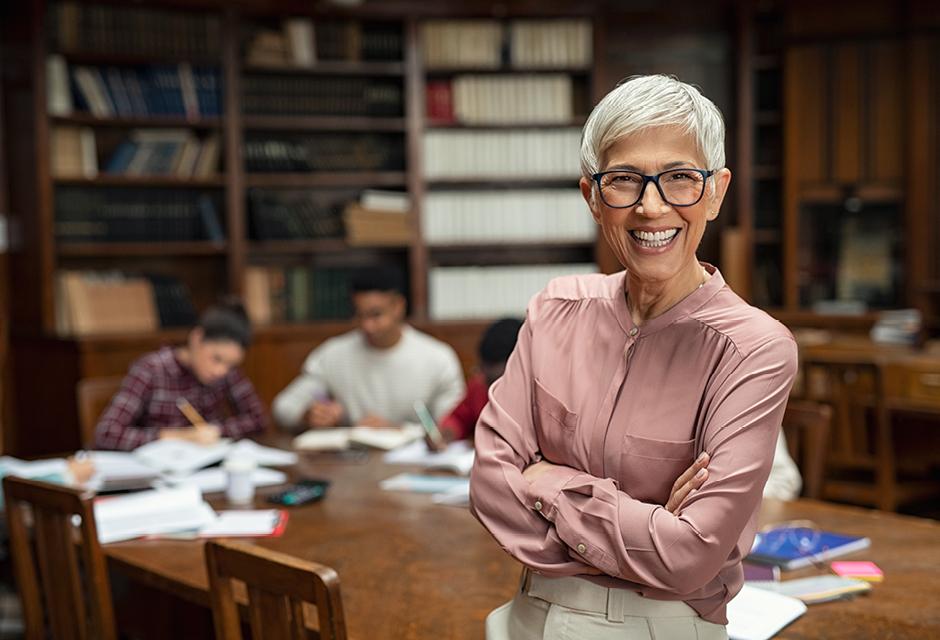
(575, 609)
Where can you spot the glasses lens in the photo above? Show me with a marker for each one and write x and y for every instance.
(681, 186)
(621, 188)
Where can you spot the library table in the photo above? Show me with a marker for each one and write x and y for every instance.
(410, 569)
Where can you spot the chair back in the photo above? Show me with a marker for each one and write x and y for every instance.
(58, 563)
(806, 426)
(277, 587)
(94, 395)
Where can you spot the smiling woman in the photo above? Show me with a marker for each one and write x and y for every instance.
(622, 454)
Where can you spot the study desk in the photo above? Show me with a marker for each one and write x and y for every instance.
(410, 569)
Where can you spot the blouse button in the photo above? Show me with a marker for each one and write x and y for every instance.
(538, 505)
(581, 548)
(634, 331)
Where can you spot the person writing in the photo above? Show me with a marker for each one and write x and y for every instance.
(619, 382)
(200, 377)
(371, 376)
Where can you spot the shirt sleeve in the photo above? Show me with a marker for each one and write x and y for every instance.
(506, 444)
(292, 403)
(118, 428)
(785, 481)
(450, 386)
(249, 415)
(681, 552)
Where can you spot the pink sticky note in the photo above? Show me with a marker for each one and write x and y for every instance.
(862, 570)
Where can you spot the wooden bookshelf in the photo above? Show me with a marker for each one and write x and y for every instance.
(87, 119)
(354, 179)
(334, 67)
(113, 180)
(324, 123)
(131, 249)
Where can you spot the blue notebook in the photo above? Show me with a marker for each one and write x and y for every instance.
(789, 549)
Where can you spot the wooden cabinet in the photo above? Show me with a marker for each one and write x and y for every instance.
(844, 116)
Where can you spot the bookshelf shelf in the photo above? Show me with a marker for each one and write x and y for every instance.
(456, 71)
(325, 123)
(86, 119)
(515, 126)
(141, 249)
(127, 60)
(337, 67)
(105, 180)
(360, 179)
(767, 236)
(505, 182)
(326, 245)
(549, 245)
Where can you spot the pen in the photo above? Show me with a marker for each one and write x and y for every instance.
(189, 411)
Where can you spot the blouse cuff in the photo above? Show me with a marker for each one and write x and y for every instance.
(544, 490)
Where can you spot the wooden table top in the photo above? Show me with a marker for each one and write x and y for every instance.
(410, 569)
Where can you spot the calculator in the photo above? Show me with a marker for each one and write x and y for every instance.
(302, 492)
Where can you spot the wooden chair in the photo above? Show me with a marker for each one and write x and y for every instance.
(94, 395)
(806, 426)
(278, 585)
(75, 592)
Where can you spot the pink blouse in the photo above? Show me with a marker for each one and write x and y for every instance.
(624, 410)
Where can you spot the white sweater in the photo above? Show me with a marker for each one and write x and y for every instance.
(382, 382)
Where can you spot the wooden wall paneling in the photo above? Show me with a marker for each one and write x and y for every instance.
(885, 127)
(742, 236)
(845, 115)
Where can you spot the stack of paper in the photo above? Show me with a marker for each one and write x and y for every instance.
(215, 479)
(344, 437)
(181, 457)
(755, 614)
(457, 457)
(119, 471)
(151, 513)
(261, 522)
(263, 456)
(816, 589)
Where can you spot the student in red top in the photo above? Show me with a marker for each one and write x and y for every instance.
(204, 371)
(497, 343)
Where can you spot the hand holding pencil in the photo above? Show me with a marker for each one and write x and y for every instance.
(201, 431)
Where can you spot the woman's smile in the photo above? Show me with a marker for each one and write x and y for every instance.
(655, 241)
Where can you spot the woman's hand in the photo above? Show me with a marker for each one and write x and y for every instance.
(690, 480)
(533, 471)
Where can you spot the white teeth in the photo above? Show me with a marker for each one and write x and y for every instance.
(654, 239)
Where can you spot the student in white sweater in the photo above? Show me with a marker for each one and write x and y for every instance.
(373, 374)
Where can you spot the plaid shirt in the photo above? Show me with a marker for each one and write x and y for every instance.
(146, 403)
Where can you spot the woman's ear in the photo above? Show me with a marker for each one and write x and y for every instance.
(587, 192)
(722, 180)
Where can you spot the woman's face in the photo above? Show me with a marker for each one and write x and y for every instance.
(211, 360)
(652, 151)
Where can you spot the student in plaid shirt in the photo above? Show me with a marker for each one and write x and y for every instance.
(204, 371)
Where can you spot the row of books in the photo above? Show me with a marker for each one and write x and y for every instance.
(302, 43)
(73, 152)
(136, 215)
(294, 215)
(98, 302)
(157, 90)
(165, 152)
(491, 292)
(79, 27)
(487, 99)
(561, 43)
(536, 215)
(325, 152)
(297, 294)
(550, 153)
(325, 95)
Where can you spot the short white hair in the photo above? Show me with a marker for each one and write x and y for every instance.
(642, 102)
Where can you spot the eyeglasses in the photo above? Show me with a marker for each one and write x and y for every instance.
(678, 187)
(790, 541)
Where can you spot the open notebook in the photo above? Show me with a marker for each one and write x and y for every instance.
(345, 437)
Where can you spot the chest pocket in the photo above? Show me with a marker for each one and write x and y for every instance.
(555, 425)
(649, 467)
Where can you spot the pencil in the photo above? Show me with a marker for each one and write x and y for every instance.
(190, 412)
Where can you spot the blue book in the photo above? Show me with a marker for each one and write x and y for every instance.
(793, 548)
